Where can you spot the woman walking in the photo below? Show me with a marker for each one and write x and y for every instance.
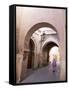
(54, 64)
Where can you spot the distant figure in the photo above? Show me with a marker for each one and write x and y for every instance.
(54, 64)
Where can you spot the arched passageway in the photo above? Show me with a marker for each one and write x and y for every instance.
(47, 52)
(30, 33)
(35, 28)
(26, 26)
(28, 52)
(54, 54)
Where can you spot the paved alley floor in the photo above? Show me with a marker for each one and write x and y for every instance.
(44, 74)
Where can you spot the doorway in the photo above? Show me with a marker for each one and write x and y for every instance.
(31, 54)
(48, 52)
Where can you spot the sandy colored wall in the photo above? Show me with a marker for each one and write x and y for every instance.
(27, 17)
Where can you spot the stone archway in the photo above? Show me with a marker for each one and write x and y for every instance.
(33, 29)
(45, 51)
(26, 44)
